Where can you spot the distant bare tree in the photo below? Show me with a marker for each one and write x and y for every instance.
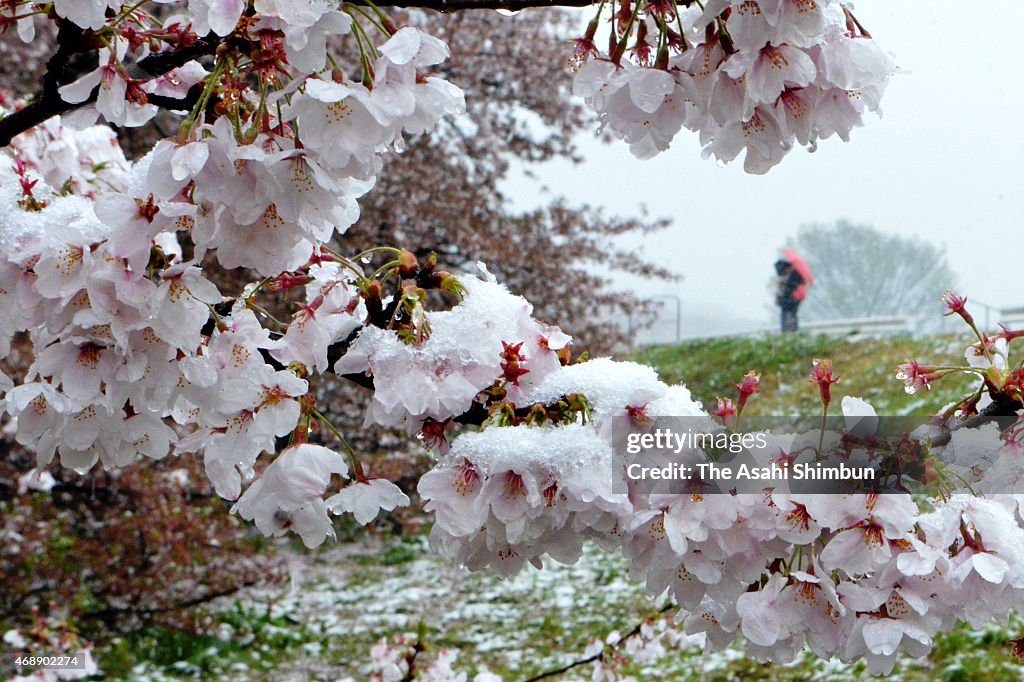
(860, 271)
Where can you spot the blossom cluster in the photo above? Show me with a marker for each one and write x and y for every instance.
(139, 353)
(489, 336)
(856, 576)
(757, 76)
(400, 659)
(136, 352)
(988, 362)
(240, 177)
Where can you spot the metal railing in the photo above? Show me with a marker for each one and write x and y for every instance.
(987, 316)
(631, 330)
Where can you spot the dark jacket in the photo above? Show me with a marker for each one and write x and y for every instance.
(789, 282)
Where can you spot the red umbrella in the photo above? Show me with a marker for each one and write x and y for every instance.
(799, 264)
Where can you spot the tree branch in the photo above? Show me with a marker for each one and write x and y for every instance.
(73, 41)
(1003, 410)
(63, 67)
(600, 654)
(160, 63)
(75, 54)
(115, 611)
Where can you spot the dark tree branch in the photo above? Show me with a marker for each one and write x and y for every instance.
(73, 58)
(410, 659)
(160, 63)
(600, 654)
(113, 612)
(63, 67)
(183, 104)
(73, 42)
(15, 604)
(1003, 410)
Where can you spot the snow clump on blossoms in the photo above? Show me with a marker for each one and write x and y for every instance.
(754, 76)
(507, 495)
(852, 576)
(439, 378)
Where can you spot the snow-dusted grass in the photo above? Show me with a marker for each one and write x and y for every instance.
(345, 598)
(866, 369)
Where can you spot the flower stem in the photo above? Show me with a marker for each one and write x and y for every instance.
(357, 465)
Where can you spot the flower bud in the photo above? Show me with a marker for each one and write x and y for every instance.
(748, 386)
(956, 305)
(408, 266)
(821, 374)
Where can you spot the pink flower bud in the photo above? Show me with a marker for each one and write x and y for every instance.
(726, 410)
(748, 386)
(956, 304)
(821, 374)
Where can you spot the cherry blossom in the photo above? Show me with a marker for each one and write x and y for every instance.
(331, 313)
(119, 96)
(749, 76)
(137, 353)
(364, 499)
(85, 13)
(289, 494)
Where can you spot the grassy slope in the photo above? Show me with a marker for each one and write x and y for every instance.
(357, 592)
(866, 368)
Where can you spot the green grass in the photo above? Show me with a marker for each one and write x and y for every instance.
(866, 369)
(250, 638)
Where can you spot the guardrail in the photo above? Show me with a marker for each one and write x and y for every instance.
(892, 324)
(669, 328)
(1012, 317)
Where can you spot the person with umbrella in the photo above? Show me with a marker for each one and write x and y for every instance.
(794, 276)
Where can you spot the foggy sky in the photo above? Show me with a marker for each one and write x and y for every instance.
(942, 164)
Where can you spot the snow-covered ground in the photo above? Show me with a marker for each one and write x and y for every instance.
(344, 600)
